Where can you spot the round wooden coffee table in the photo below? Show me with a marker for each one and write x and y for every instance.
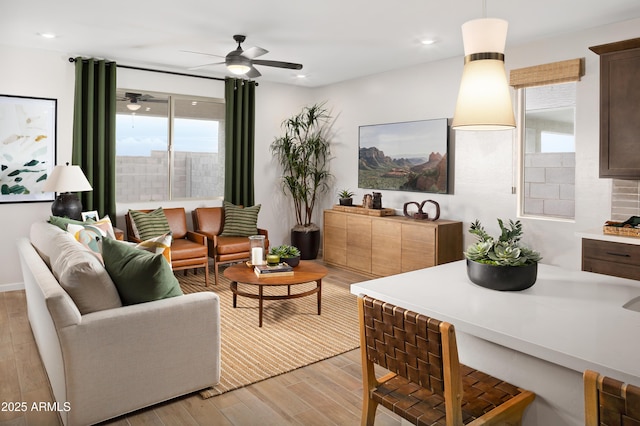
(305, 272)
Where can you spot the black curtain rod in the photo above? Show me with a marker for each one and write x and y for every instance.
(164, 72)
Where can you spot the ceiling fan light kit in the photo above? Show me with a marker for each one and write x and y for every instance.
(484, 100)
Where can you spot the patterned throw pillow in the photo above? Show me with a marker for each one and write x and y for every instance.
(158, 245)
(149, 225)
(240, 221)
(89, 236)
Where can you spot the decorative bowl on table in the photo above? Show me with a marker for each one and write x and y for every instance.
(291, 261)
(503, 278)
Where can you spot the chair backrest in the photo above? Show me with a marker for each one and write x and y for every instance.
(416, 347)
(176, 217)
(609, 401)
(208, 220)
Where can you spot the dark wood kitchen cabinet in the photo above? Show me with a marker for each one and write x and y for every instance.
(611, 258)
(619, 109)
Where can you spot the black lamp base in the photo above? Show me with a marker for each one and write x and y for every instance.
(68, 205)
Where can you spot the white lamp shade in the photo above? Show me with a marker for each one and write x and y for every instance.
(484, 35)
(66, 179)
(484, 99)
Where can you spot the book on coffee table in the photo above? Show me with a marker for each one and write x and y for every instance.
(279, 270)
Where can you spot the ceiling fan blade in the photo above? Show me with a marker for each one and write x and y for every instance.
(278, 64)
(254, 52)
(253, 73)
(205, 65)
(202, 53)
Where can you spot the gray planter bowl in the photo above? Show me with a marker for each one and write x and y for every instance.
(502, 278)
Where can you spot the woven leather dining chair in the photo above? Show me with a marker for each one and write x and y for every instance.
(609, 401)
(426, 384)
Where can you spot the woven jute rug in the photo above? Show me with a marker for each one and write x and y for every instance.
(292, 335)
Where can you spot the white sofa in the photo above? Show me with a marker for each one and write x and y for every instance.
(110, 362)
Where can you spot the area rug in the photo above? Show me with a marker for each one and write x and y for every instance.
(292, 335)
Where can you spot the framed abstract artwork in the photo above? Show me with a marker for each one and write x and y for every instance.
(27, 148)
(406, 156)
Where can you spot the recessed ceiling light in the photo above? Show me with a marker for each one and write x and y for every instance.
(301, 76)
(428, 41)
(47, 35)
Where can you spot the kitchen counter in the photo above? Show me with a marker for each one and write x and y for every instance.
(541, 338)
(597, 234)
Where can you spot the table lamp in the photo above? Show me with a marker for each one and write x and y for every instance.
(66, 180)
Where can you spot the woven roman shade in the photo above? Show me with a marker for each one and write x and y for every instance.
(553, 73)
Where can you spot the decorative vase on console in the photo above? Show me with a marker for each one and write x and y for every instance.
(502, 263)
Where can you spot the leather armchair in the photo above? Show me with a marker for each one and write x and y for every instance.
(209, 221)
(188, 249)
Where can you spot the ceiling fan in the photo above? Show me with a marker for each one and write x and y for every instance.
(241, 62)
(133, 100)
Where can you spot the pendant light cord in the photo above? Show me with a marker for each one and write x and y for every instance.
(484, 9)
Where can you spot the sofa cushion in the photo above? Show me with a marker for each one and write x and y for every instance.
(83, 277)
(140, 276)
(239, 221)
(147, 225)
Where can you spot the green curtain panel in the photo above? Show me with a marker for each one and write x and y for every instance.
(239, 141)
(94, 132)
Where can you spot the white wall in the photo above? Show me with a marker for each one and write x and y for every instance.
(483, 162)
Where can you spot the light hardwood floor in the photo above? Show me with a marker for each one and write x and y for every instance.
(325, 393)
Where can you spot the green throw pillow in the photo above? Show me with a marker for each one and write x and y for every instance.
(149, 225)
(240, 221)
(62, 222)
(139, 276)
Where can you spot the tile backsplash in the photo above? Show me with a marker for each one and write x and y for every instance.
(625, 199)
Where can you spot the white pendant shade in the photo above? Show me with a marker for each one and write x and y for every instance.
(66, 179)
(484, 100)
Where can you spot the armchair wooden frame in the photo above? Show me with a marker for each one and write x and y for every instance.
(426, 383)
(609, 401)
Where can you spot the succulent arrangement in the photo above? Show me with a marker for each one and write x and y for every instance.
(503, 251)
(345, 193)
(285, 251)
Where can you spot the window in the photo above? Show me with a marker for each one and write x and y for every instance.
(168, 147)
(548, 151)
(546, 136)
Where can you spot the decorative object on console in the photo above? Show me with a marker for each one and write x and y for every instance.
(376, 201)
(346, 197)
(367, 201)
(484, 100)
(409, 156)
(66, 180)
(503, 263)
(420, 214)
(286, 253)
(303, 153)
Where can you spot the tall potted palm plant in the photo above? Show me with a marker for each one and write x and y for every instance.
(303, 153)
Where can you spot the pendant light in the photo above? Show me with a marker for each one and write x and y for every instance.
(484, 100)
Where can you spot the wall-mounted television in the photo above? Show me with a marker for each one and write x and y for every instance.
(407, 156)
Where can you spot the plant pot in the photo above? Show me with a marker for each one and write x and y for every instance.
(346, 201)
(307, 241)
(291, 261)
(502, 278)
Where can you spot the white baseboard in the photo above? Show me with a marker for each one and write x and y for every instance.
(11, 287)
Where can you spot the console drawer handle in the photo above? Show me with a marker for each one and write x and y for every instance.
(618, 254)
